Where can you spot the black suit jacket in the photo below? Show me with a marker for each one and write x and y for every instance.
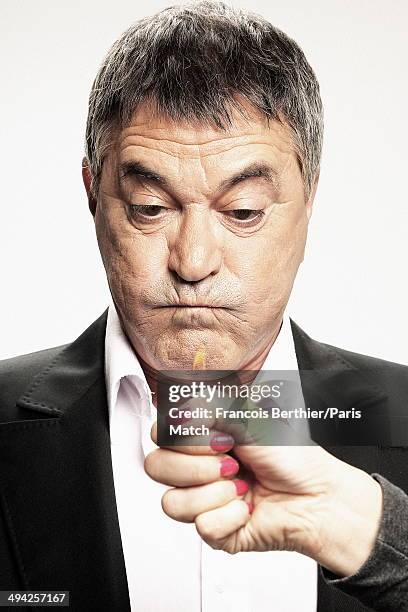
(59, 527)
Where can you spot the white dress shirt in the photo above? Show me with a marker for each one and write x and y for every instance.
(169, 568)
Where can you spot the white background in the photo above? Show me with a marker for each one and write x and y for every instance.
(352, 288)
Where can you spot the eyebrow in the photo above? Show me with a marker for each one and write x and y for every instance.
(256, 169)
(136, 168)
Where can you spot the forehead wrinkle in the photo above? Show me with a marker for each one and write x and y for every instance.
(261, 135)
(197, 141)
(181, 148)
(201, 154)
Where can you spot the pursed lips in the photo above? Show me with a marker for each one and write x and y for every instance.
(192, 306)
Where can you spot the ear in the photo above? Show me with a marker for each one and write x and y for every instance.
(87, 179)
(309, 203)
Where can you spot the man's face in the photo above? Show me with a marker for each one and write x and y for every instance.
(197, 253)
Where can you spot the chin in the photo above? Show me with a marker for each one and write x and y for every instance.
(180, 350)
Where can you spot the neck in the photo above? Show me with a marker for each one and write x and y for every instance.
(248, 372)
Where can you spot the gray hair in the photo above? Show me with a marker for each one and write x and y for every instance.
(191, 61)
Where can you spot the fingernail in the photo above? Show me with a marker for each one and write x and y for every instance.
(241, 486)
(221, 443)
(228, 466)
(250, 507)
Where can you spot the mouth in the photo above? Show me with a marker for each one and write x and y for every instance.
(190, 306)
(192, 316)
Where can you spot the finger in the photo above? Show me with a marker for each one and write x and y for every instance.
(259, 431)
(216, 525)
(186, 504)
(191, 414)
(180, 470)
(215, 442)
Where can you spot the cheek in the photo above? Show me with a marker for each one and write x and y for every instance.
(268, 261)
(132, 260)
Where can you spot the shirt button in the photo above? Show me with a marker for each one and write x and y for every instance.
(219, 588)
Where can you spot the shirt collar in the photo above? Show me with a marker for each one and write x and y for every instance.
(121, 362)
(282, 354)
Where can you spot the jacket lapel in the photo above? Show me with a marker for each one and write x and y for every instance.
(330, 380)
(58, 491)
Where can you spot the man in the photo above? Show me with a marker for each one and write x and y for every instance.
(203, 149)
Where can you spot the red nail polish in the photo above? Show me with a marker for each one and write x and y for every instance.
(241, 487)
(228, 466)
(250, 507)
(221, 443)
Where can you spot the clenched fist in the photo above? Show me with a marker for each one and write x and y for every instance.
(259, 498)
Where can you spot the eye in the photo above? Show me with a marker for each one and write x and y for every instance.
(245, 214)
(146, 210)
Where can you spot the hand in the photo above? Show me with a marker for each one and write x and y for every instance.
(298, 498)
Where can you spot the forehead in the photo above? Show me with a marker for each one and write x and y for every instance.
(150, 134)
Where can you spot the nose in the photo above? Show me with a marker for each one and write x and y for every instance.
(196, 252)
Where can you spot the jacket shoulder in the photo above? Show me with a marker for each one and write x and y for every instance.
(361, 360)
(17, 373)
(390, 376)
